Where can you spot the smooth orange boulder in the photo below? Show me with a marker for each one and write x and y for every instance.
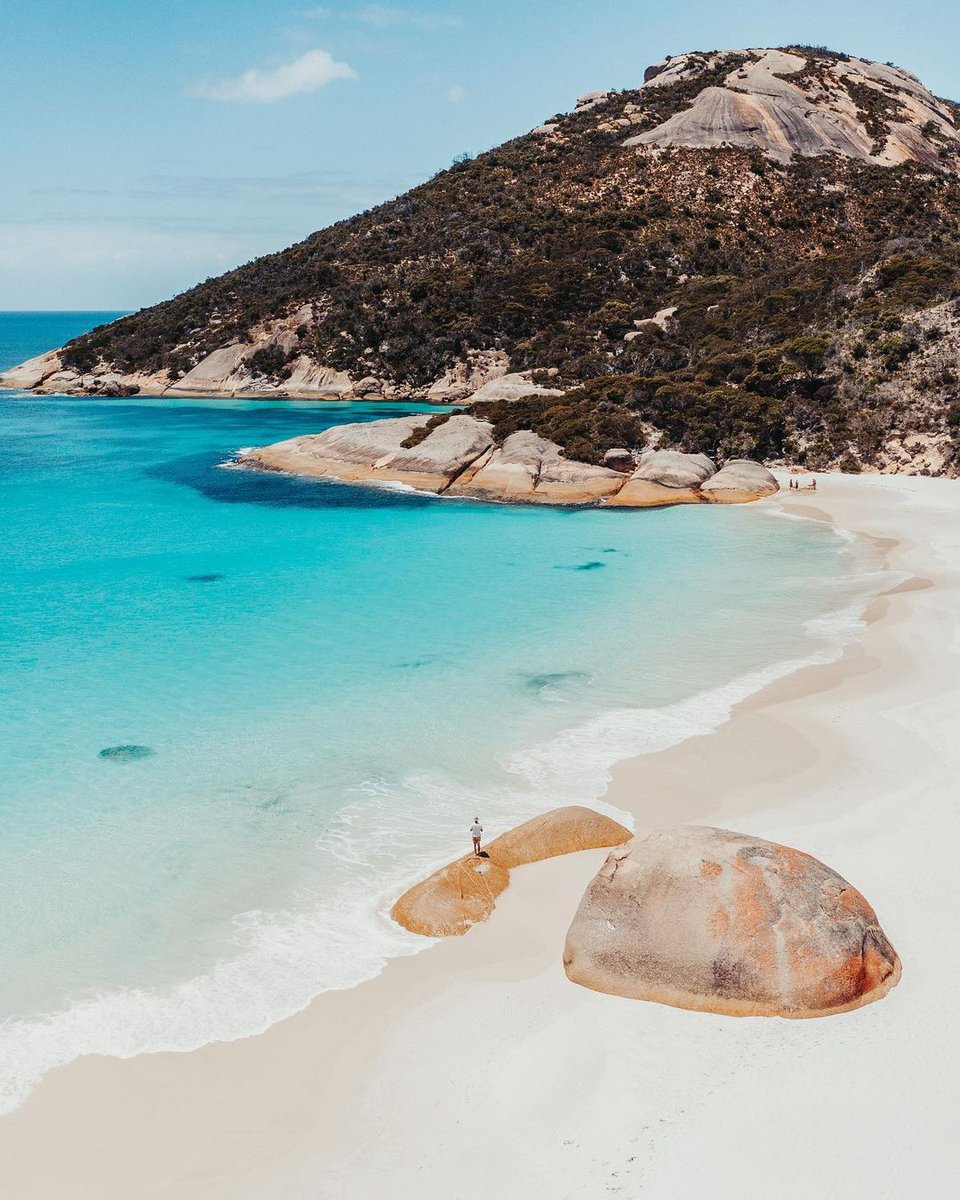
(721, 922)
(459, 895)
(562, 831)
(452, 899)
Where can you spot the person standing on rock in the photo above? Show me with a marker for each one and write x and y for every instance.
(476, 832)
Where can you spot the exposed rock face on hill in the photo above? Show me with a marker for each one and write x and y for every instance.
(459, 456)
(752, 254)
(787, 104)
(706, 919)
(451, 900)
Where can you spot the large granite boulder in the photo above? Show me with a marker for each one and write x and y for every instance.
(665, 477)
(373, 451)
(566, 481)
(442, 455)
(513, 386)
(459, 895)
(674, 469)
(32, 373)
(739, 481)
(220, 371)
(529, 469)
(452, 899)
(721, 922)
(342, 451)
(562, 831)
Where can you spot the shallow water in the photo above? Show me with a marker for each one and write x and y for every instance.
(238, 712)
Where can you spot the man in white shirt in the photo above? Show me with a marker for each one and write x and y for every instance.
(476, 832)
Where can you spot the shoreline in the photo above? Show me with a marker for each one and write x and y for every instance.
(576, 763)
(260, 1116)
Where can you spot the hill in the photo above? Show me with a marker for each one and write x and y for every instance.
(754, 253)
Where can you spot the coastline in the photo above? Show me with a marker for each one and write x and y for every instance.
(378, 1082)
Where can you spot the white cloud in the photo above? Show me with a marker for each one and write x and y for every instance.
(262, 85)
(456, 94)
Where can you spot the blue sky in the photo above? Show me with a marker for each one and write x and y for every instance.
(149, 144)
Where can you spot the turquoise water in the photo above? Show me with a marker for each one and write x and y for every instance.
(26, 334)
(313, 689)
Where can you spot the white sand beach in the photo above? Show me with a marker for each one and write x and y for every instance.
(475, 1069)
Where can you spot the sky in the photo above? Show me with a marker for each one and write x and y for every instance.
(149, 144)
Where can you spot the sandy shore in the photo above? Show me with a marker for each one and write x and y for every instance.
(475, 1069)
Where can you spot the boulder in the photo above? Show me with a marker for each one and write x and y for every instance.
(452, 899)
(511, 387)
(565, 481)
(459, 895)
(665, 477)
(739, 481)
(722, 922)
(563, 831)
(341, 452)
(467, 375)
(442, 455)
(661, 320)
(673, 469)
(619, 459)
(220, 371)
(306, 378)
(639, 493)
(32, 373)
(528, 469)
(373, 452)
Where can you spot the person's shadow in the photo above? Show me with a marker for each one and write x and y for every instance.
(483, 854)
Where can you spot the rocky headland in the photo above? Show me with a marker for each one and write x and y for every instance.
(458, 456)
(752, 254)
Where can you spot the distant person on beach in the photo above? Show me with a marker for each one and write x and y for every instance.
(476, 832)
(814, 485)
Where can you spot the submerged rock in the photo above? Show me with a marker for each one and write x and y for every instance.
(706, 919)
(128, 752)
(459, 895)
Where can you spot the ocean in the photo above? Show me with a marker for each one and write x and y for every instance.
(239, 713)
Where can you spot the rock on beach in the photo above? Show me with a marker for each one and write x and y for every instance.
(722, 922)
(464, 892)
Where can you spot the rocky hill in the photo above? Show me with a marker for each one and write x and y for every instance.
(754, 253)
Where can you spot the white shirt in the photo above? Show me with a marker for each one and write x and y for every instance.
(476, 830)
